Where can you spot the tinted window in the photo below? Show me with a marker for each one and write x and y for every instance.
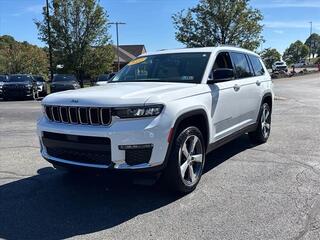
(19, 78)
(241, 65)
(257, 66)
(3, 78)
(175, 67)
(223, 61)
(62, 78)
(104, 77)
(38, 78)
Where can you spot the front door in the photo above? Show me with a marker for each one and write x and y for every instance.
(225, 99)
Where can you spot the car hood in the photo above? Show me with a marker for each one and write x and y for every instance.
(117, 94)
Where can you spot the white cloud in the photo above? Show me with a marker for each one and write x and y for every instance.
(34, 8)
(279, 31)
(290, 4)
(291, 24)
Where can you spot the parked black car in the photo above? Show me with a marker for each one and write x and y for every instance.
(20, 86)
(3, 79)
(62, 82)
(42, 85)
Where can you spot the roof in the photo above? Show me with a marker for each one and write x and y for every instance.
(128, 52)
(201, 49)
(135, 50)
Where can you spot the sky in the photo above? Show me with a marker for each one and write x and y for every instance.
(149, 22)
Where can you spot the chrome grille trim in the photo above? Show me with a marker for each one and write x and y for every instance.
(101, 116)
(70, 116)
(79, 114)
(62, 115)
(95, 116)
(53, 115)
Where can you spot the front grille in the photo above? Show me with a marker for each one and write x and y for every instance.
(82, 149)
(79, 115)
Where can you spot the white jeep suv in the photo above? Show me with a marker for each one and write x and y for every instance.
(162, 112)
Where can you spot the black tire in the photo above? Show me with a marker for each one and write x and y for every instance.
(172, 175)
(262, 132)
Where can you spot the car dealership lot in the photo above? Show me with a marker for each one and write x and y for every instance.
(269, 191)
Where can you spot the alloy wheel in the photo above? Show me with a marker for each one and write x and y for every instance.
(265, 121)
(191, 160)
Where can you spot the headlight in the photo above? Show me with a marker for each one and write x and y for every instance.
(139, 111)
(75, 85)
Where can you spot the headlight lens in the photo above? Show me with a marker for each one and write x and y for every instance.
(139, 111)
(76, 85)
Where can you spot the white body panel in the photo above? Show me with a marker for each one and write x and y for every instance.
(227, 110)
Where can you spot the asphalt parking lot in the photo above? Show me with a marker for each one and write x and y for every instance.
(269, 191)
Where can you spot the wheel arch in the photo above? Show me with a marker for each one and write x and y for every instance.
(183, 120)
(198, 118)
(267, 98)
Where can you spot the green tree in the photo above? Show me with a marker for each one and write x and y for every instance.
(296, 52)
(21, 57)
(214, 22)
(269, 56)
(98, 60)
(313, 42)
(77, 26)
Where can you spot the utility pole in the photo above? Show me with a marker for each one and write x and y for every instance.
(49, 40)
(310, 47)
(117, 30)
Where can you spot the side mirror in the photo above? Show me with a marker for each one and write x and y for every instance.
(221, 75)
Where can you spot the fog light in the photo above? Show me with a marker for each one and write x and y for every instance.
(136, 146)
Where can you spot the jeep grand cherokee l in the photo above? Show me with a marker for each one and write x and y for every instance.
(20, 86)
(162, 112)
(63, 82)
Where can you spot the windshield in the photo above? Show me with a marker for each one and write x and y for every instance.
(104, 77)
(176, 67)
(3, 78)
(64, 78)
(280, 63)
(19, 78)
(38, 78)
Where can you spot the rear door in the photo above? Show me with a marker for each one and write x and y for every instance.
(248, 90)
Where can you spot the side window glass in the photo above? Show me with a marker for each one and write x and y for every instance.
(222, 61)
(241, 65)
(257, 66)
(222, 69)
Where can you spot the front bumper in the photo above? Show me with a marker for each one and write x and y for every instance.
(122, 132)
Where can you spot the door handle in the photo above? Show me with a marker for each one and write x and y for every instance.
(258, 83)
(236, 87)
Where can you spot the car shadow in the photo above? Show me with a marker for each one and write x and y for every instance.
(55, 205)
